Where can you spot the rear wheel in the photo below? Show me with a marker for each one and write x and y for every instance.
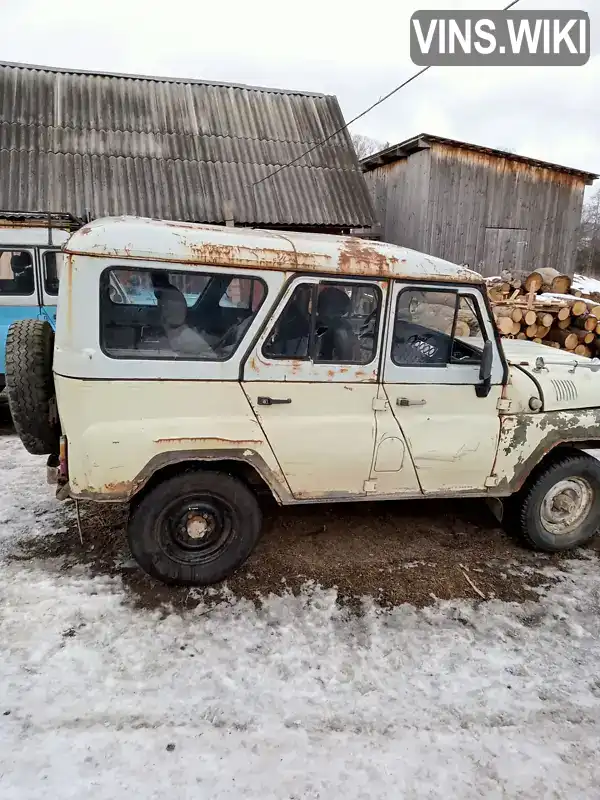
(30, 385)
(195, 529)
(561, 508)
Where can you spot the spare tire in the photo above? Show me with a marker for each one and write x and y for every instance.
(30, 385)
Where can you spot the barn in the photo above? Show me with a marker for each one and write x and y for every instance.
(487, 208)
(94, 144)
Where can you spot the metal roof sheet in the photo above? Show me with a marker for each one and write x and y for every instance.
(250, 248)
(102, 144)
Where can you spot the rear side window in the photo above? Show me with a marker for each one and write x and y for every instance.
(16, 272)
(327, 322)
(51, 264)
(156, 314)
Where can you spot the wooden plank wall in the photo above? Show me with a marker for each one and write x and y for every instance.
(471, 193)
(448, 201)
(399, 192)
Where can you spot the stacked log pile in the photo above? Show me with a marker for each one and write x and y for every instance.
(545, 308)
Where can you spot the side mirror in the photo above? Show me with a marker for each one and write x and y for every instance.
(485, 370)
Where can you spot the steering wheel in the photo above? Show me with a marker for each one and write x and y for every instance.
(424, 344)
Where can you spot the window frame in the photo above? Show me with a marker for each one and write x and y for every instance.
(460, 373)
(314, 286)
(458, 294)
(43, 252)
(137, 355)
(22, 249)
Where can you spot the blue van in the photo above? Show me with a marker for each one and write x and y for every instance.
(30, 262)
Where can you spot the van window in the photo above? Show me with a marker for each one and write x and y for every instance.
(432, 328)
(328, 323)
(16, 272)
(168, 315)
(51, 263)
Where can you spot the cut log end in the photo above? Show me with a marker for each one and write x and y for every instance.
(505, 325)
(561, 284)
(534, 282)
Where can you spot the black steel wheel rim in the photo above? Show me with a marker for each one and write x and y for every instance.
(195, 529)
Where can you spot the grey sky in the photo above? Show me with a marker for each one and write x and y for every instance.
(348, 48)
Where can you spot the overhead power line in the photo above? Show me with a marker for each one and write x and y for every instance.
(357, 117)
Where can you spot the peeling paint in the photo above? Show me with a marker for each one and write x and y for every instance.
(525, 439)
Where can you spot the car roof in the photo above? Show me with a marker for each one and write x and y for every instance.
(191, 244)
(17, 233)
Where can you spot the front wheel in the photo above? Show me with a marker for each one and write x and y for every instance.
(561, 508)
(195, 529)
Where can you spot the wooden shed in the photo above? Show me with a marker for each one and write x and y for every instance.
(486, 208)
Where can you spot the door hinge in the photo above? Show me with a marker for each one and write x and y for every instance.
(491, 481)
(379, 404)
(503, 404)
(370, 486)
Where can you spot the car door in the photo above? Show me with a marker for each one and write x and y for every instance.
(312, 380)
(432, 380)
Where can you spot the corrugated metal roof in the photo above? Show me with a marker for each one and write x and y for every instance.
(179, 149)
(423, 141)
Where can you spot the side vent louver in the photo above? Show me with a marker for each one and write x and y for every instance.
(565, 390)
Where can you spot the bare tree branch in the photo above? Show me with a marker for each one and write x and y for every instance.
(366, 146)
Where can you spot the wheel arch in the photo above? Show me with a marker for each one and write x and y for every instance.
(546, 455)
(246, 465)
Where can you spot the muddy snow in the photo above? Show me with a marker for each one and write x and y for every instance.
(296, 696)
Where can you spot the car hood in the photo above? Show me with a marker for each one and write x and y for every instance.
(566, 381)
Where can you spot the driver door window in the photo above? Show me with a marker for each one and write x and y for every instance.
(436, 328)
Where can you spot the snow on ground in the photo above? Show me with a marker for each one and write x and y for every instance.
(299, 699)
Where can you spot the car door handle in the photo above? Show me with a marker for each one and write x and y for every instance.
(404, 401)
(273, 401)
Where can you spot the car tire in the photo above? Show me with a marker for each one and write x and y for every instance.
(560, 509)
(30, 385)
(194, 529)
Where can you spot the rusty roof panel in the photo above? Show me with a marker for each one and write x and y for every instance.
(102, 144)
(187, 244)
